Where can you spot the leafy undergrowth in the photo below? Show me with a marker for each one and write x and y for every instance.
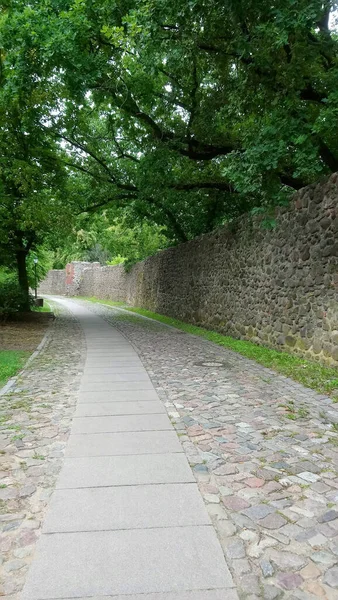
(311, 374)
(11, 361)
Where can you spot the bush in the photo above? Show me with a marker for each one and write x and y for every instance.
(117, 260)
(12, 299)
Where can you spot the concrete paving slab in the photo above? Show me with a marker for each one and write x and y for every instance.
(138, 561)
(114, 444)
(97, 341)
(100, 371)
(105, 471)
(140, 375)
(100, 353)
(118, 423)
(130, 507)
(127, 520)
(220, 594)
(126, 386)
(98, 409)
(114, 346)
(118, 395)
(103, 363)
(107, 338)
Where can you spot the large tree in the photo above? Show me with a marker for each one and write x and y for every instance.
(32, 205)
(189, 113)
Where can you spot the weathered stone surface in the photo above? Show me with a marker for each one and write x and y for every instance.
(331, 577)
(287, 560)
(235, 503)
(328, 516)
(310, 571)
(270, 592)
(289, 581)
(236, 549)
(267, 568)
(273, 521)
(323, 558)
(258, 512)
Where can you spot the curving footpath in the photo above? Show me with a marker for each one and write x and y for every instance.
(126, 519)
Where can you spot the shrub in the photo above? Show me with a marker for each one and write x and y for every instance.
(117, 260)
(12, 299)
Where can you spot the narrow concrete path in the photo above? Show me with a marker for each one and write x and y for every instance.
(126, 519)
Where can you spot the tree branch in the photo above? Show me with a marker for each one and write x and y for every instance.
(171, 218)
(327, 156)
(292, 182)
(209, 185)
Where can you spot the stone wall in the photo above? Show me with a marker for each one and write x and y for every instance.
(55, 283)
(276, 287)
(109, 283)
(74, 272)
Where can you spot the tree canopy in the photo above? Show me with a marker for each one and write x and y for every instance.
(181, 115)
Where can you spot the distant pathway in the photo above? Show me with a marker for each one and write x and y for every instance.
(126, 519)
(270, 482)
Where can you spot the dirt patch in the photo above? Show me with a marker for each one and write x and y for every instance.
(25, 332)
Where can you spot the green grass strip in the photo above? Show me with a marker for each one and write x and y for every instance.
(44, 308)
(311, 374)
(11, 361)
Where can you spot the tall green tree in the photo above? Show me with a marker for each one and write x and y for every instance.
(31, 180)
(185, 113)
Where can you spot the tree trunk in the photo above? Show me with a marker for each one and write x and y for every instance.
(21, 256)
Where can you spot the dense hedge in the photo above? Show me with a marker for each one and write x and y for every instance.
(12, 299)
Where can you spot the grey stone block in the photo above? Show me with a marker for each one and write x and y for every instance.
(140, 375)
(106, 343)
(118, 423)
(104, 471)
(93, 363)
(100, 371)
(126, 351)
(116, 385)
(135, 561)
(118, 396)
(114, 444)
(220, 594)
(117, 354)
(96, 409)
(129, 507)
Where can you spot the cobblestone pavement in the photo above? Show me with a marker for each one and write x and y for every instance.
(35, 417)
(264, 451)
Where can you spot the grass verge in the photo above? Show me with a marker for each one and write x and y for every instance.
(11, 361)
(44, 308)
(321, 378)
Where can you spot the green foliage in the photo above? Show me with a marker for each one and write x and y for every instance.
(44, 264)
(44, 309)
(111, 237)
(12, 298)
(176, 115)
(117, 260)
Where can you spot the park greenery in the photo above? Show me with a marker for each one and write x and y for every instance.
(130, 125)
